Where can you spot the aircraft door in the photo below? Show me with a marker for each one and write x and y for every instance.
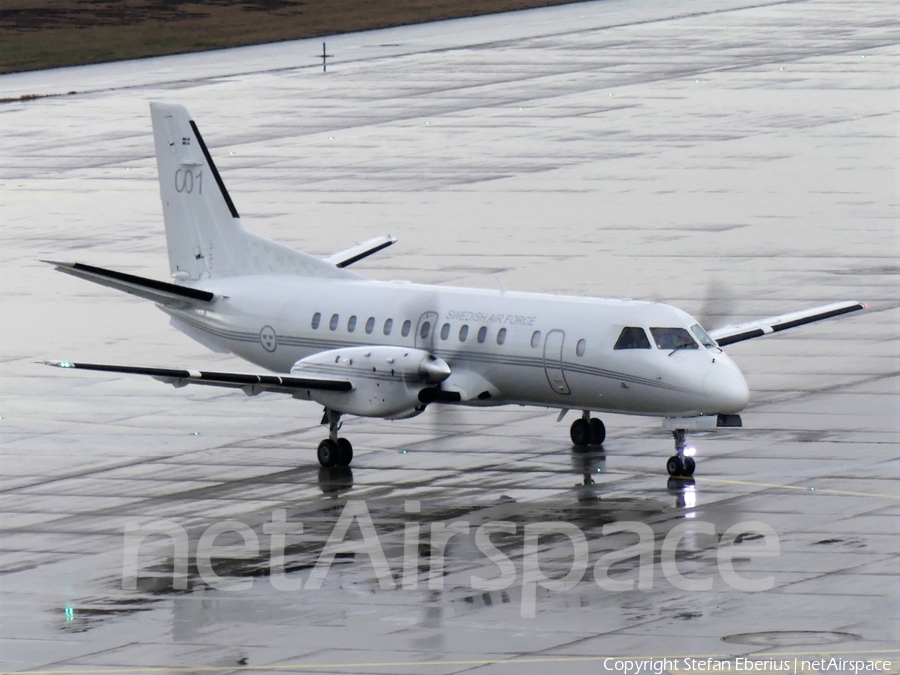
(425, 330)
(553, 362)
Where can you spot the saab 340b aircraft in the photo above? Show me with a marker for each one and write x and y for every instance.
(388, 349)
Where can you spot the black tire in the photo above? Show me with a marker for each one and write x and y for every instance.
(328, 453)
(598, 431)
(580, 433)
(689, 466)
(675, 466)
(345, 454)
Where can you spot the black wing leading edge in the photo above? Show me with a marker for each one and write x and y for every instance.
(752, 329)
(253, 381)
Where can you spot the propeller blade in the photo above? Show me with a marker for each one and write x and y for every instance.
(718, 304)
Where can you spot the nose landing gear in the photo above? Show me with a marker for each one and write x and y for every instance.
(334, 451)
(680, 464)
(587, 430)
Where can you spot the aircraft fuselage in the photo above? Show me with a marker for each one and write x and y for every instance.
(502, 347)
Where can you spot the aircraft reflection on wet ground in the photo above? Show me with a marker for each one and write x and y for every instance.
(590, 464)
(395, 545)
(584, 554)
(335, 481)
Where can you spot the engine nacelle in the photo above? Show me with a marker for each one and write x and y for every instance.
(386, 380)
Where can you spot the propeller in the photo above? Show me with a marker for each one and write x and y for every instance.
(718, 305)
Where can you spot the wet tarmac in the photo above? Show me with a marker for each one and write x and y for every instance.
(738, 159)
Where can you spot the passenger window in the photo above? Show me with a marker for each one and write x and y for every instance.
(703, 336)
(317, 318)
(632, 337)
(388, 325)
(445, 331)
(370, 324)
(463, 333)
(425, 330)
(579, 348)
(673, 338)
(333, 324)
(501, 336)
(351, 324)
(536, 338)
(482, 334)
(407, 326)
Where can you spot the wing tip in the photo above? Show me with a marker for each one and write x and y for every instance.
(58, 364)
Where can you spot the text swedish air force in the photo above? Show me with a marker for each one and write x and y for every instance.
(484, 317)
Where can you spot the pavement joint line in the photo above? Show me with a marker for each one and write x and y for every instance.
(831, 491)
(412, 664)
(778, 486)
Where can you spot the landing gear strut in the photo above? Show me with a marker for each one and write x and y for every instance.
(679, 464)
(334, 451)
(587, 430)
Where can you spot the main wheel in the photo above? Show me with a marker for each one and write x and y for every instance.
(328, 453)
(598, 431)
(345, 454)
(689, 466)
(675, 466)
(580, 433)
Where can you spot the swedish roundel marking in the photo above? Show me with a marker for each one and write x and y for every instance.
(267, 338)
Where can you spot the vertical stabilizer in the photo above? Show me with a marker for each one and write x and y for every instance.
(203, 228)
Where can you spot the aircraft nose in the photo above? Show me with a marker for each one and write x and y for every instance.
(726, 390)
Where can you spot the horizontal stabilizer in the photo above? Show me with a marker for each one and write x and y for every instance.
(745, 331)
(162, 292)
(356, 253)
(251, 383)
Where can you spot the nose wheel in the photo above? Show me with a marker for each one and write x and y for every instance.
(680, 465)
(587, 430)
(334, 451)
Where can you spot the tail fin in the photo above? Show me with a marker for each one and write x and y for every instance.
(203, 229)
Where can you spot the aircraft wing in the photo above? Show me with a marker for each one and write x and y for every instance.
(250, 383)
(171, 295)
(730, 334)
(356, 253)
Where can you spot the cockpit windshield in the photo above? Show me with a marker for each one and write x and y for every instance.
(703, 336)
(673, 338)
(632, 337)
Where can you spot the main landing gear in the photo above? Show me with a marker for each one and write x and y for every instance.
(679, 464)
(334, 451)
(587, 430)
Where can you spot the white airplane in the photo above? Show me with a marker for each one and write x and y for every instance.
(388, 349)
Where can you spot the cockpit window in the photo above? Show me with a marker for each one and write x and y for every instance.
(703, 336)
(673, 338)
(632, 337)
